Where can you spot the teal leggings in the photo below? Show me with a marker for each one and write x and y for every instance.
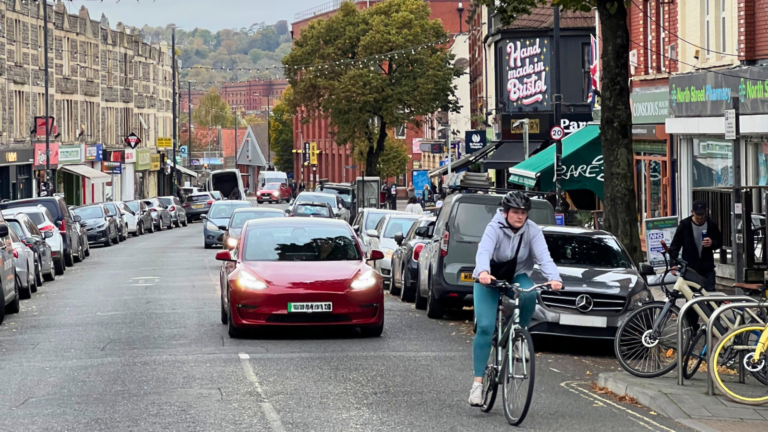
(486, 300)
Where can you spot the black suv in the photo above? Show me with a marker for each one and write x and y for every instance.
(61, 217)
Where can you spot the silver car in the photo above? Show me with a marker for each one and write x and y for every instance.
(34, 239)
(176, 208)
(367, 219)
(45, 223)
(24, 261)
(340, 210)
(161, 217)
(383, 238)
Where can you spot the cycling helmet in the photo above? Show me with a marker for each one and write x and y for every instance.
(516, 199)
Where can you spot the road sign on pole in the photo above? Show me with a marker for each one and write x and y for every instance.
(556, 133)
(133, 140)
(730, 124)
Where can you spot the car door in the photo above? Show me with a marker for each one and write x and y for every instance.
(7, 270)
(180, 209)
(46, 259)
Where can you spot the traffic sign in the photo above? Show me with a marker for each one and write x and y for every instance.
(184, 150)
(730, 124)
(133, 140)
(556, 133)
(164, 142)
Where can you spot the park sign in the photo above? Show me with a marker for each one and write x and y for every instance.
(709, 94)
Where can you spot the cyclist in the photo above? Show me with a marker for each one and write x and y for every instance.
(510, 245)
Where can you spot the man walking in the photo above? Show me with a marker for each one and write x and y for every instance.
(393, 197)
(699, 238)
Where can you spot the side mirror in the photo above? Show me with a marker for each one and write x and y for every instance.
(399, 239)
(58, 224)
(224, 255)
(376, 255)
(287, 211)
(78, 218)
(372, 233)
(647, 270)
(423, 232)
(222, 227)
(47, 234)
(3, 230)
(203, 217)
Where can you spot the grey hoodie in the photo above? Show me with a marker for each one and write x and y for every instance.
(499, 244)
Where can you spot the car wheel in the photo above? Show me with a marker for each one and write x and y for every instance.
(224, 317)
(373, 331)
(87, 249)
(51, 276)
(178, 223)
(233, 331)
(160, 225)
(59, 266)
(79, 257)
(2, 312)
(207, 246)
(435, 309)
(152, 227)
(14, 306)
(421, 301)
(24, 293)
(117, 237)
(407, 292)
(393, 289)
(69, 257)
(38, 274)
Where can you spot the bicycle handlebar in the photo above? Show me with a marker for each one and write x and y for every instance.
(507, 285)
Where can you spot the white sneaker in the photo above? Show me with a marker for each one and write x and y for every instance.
(476, 394)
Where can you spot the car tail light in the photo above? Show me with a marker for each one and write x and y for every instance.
(28, 243)
(173, 208)
(63, 226)
(48, 227)
(444, 244)
(417, 251)
(186, 205)
(15, 253)
(209, 202)
(153, 209)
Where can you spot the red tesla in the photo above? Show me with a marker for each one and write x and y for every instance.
(300, 271)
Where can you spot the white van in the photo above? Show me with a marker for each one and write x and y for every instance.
(272, 177)
(228, 182)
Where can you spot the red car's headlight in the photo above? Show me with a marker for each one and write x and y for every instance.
(364, 281)
(246, 281)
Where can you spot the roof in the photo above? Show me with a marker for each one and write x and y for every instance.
(251, 149)
(228, 141)
(261, 133)
(542, 18)
(258, 209)
(556, 229)
(313, 193)
(298, 222)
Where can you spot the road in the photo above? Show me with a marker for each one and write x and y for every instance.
(131, 340)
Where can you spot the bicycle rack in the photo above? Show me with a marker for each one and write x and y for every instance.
(680, 321)
(716, 314)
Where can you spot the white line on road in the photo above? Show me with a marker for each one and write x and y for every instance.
(244, 356)
(555, 370)
(269, 411)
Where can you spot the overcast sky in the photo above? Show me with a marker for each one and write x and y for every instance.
(188, 14)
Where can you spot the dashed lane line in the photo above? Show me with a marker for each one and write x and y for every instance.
(269, 411)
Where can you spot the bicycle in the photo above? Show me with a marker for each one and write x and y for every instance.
(510, 367)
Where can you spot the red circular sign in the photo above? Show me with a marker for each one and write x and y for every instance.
(556, 133)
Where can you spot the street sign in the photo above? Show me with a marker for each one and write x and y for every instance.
(437, 148)
(556, 133)
(730, 124)
(305, 155)
(133, 140)
(184, 151)
(164, 142)
(350, 166)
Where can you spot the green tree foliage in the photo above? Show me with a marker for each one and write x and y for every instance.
(365, 99)
(281, 136)
(394, 160)
(620, 213)
(213, 111)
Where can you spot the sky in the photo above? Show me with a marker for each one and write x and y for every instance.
(187, 14)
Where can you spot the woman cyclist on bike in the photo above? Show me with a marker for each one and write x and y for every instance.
(510, 245)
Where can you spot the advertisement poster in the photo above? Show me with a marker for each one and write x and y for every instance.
(474, 140)
(656, 230)
(526, 74)
(420, 179)
(415, 146)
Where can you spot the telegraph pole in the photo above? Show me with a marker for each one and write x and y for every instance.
(175, 125)
(48, 126)
(189, 111)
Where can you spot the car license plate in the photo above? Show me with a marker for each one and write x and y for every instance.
(467, 277)
(310, 307)
(198, 206)
(583, 320)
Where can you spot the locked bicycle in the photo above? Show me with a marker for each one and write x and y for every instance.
(511, 363)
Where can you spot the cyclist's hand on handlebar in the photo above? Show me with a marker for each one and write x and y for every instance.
(555, 285)
(485, 279)
(673, 270)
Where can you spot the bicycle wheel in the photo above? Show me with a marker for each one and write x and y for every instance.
(726, 355)
(643, 355)
(517, 377)
(490, 381)
(695, 354)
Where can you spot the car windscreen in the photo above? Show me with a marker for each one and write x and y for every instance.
(330, 200)
(239, 219)
(312, 210)
(568, 250)
(89, 212)
(373, 220)
(133, 205)
(167, 201)
(111, 210)
(345, 194)
(16, 227)
(37, 217)
(271, 186)
(471, 219)
(224, 210)
(307, 243)
(202, 198)
(398, 225)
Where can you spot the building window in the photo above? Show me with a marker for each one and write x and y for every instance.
(706, 26)
(41, 39)
(66, 56)
(649, 37)
(400, 131)
(722, 25)
(662, 38)
(585, 70)
(19, 114)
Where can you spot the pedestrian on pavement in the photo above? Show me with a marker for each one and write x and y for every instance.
(384, 195)
(293, 189)
(411, 190)
(393, 197)
(413, 207)
(301, 187)
(699, 238)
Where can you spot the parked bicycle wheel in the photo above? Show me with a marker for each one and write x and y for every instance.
(725, 354)
(517, 377)
(490, 380)
(696, 353)
(643, 353)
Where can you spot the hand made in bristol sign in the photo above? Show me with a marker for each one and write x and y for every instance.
(527, 72)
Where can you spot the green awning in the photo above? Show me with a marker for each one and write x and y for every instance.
(582, 164)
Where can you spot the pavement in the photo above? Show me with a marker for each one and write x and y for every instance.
(131, 340)
(689, 405)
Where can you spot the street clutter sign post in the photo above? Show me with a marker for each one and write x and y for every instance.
(556, 133)
(474, 140)
(656, 230)
(132, 140)
(730, 124)
(164, 143)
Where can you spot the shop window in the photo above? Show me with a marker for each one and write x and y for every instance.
(585, 72)
(712, 163)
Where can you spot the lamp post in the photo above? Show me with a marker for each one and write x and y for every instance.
(461, 11)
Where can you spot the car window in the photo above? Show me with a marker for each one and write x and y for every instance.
(586, 251)
(200, 198)
(312, 210)
(271, 186)
(93, 212)
(14, 236)
(126, 209)
(471, 218)
(166, 201)
(380, 225)
(16, 227)
(373, 220)
(311, 243)
(176, 201)
(240, 218)
(31, 227)
(133, 205)
(330, 200)
(398, 225)
(111, 211)
(63, 207)
(224, 210)
(51, 205)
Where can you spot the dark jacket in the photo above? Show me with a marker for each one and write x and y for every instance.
(684, 239)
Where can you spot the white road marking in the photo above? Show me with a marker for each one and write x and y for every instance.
(244, 356)
(269, 411)
(555, 370)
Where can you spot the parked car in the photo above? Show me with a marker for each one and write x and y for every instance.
(24, 261)
(299, 271)
(197, 204)
(367, 219)
(274, 193)
(8, 284)
(131, 221)
(83, 249)
(242, 215)
(122, 225)
(448, 258)
(383, 238)
(336, 203)
(45, 223)
(343, 190)
(144, 216)
(311, 209)
(191, 190)
(217, 217)
(175, 207)
(161, 217)
(405, 260)
(229, 182)
(34, 239)
(62, 220)
(100, 225)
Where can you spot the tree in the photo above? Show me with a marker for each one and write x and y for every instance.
(373, 69)
(394, 160)
(620, 214)
(281, 136)
(213, 111)
(281, 27)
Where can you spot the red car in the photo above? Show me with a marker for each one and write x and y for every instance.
(295, 271)
(274, 192)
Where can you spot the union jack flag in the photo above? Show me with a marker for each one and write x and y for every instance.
(593, 72)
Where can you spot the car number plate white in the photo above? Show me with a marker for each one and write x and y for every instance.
(583, 320)
(310, 307)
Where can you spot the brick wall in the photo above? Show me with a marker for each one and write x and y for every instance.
(645, 14)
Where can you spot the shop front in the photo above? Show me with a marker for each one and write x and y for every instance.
(155, 177)
(16, 173)
(42, 163)
(141, 172)
(67, 182)
(112, 164)
(128, 178)
(93, 190)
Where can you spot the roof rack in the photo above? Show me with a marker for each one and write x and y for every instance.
(479, 182)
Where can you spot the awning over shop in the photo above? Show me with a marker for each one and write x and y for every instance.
(186, 171)
(87, 172)
(509, 153)
(582, 164)
(466, 160)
